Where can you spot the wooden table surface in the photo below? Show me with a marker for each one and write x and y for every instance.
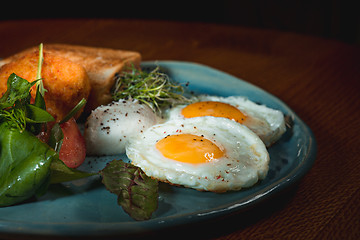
(317, 78)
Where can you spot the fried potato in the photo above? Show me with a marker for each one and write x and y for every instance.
(66, 82)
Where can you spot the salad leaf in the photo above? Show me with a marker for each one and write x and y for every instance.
(16, 109)
(56, 133)
(36, 127)
(17, 89)
(36, 114)
(56, 137)
(24, 164)
(73, 111)
(61, 173)
(137, 193)
(39, 99)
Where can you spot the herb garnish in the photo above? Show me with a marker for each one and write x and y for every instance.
(153, 88)
(15, 107)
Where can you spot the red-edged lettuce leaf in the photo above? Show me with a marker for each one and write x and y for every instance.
(137, 193)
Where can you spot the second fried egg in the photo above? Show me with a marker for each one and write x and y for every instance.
(267, 123)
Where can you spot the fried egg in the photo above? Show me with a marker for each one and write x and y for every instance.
(267, 123)
(109, 128)
(207, 154)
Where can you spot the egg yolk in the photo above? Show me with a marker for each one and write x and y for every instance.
(215, 109)
(189, 148)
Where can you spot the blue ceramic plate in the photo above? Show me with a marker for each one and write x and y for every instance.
(85, 207)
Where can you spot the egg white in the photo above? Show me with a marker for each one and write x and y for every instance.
(267, 123)
(245, 162)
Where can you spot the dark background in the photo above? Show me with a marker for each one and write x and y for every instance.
(335, 19)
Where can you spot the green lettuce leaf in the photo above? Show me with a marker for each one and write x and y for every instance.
(16, 109)
(17, 89)
(137, 193)
(62, 173)
(24, 165)
(36, 114)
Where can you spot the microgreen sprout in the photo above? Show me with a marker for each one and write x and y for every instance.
(153, 88)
